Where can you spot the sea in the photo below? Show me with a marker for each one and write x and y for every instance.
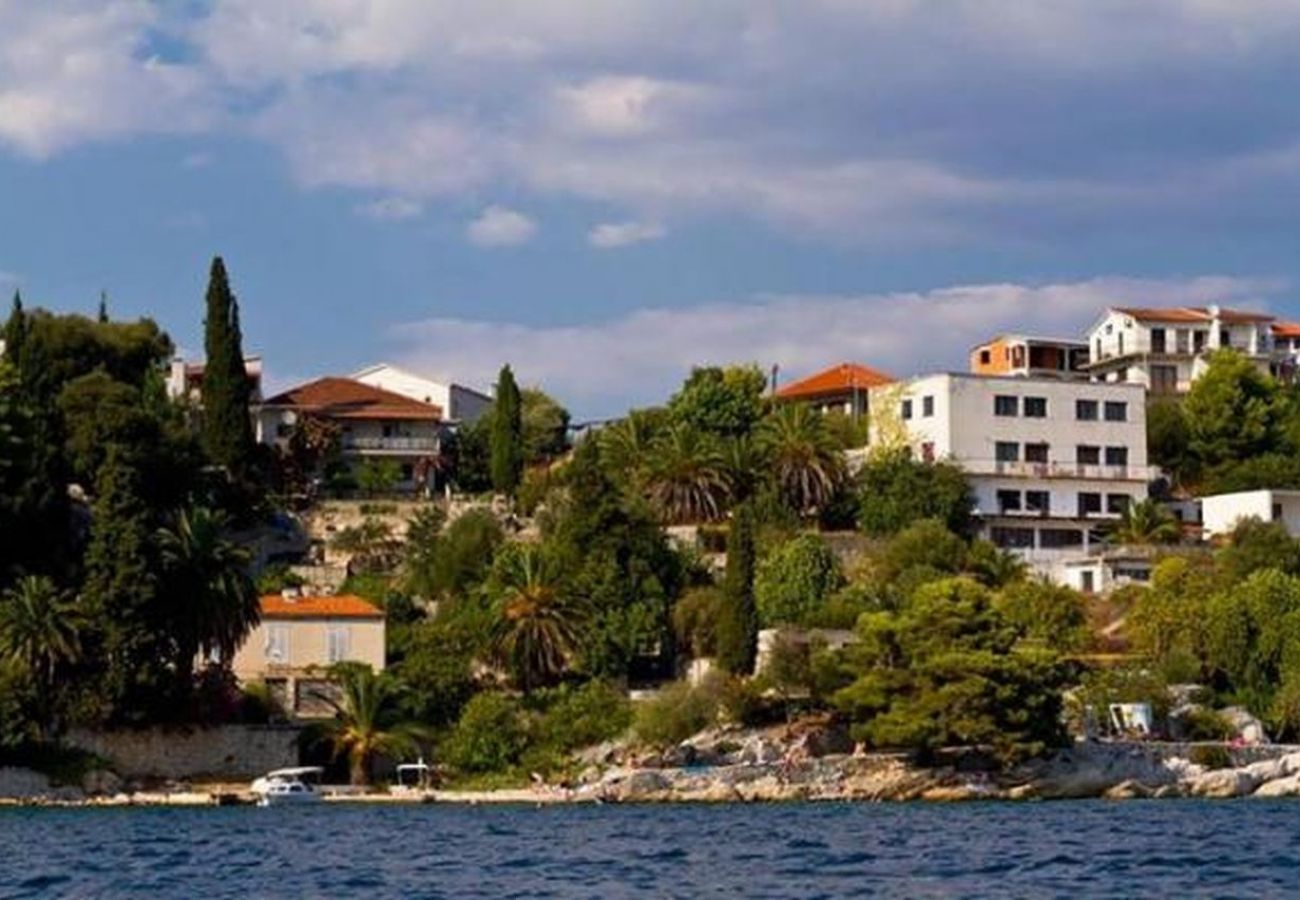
(1164, 848)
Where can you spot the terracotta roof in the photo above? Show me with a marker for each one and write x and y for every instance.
(1286, 329)
(836, 380)
(343, 398)
(340, 606)
(1190, 314)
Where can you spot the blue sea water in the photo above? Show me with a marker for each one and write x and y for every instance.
(1067, 849)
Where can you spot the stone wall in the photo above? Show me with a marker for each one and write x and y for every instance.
(235, 752)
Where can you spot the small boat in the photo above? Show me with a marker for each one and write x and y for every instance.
(289, 786)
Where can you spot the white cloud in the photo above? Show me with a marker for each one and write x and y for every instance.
(609, 235)
(603, 367)
(391, 209)
(499, 226)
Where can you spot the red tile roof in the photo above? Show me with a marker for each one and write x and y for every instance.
(1191, 314)
(1286, 329)
(340, 606)
(343, 398)
(839, 379)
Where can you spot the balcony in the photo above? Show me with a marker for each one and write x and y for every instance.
(1058, 470)
(377, 444)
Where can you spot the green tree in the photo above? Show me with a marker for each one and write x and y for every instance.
(1232, 411)
(367, 722)
(626, 444)
(795, 580)
(490, 736)
(925, 544)
(377, 477)
(804, 463)
(226, 392)
(1147, 522)
(40, 630)
(438, 665)
(737, 635)
(506, 435)
(544, 426)
(1046, 614)
(896, 490)
(1167, 620)
(1255, 545)
(539, 622)
(1169, 440)
(462, 556)
(687, 481)
(725, 402)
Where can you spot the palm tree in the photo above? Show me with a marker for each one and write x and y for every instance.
(687, 481)
(805, 463)
(626, 443)
(1147, 522)
(215, 602)
(539, 624)
(367, 721)
(39, 630)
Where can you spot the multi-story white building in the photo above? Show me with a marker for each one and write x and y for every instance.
(458, 403)
(1165, 350)
(1048, 459)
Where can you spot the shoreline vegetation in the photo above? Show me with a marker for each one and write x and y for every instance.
(713, 566)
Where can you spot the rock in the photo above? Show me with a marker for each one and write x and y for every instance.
(1249, 728)
(603, 754)
(1223, 783)
(1288, 786)
(642, 785)
(1166, 791)
(1023, 792)
(757, 751)
(829, 740)
(958, 793)
(22, 784)
(101, 782)
(1128, 790)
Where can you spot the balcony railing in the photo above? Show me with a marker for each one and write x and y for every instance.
(391, 444)
(1084, 471)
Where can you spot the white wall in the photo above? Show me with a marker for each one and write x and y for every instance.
(1220, 513)
(458, 403)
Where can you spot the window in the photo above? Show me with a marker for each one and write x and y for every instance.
(985, 357)
(1117, 503)
(927, 406)
(1056, 538)
(1117, 456)
(1198, 340)
(1007, 451)
(1087, 582)
(1089, 504)
(1087, 455)
(336, 643)
(1164, 379)
(1120, 338)
(1085, 410)
(1277, 512)
(1157, 340)
(1038, 501)
(1036, 407)
(277, 643)
(1182, 338)
(283, 430)
(1116, 411)
(1036, 453)
(1006, 405)
(1012, 537)
(1008, 501)
(907, 409)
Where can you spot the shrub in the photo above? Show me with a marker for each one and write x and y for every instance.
(1200, 724)
(580, 717)
(1211, 757)
(794, 581)
(695, 620)
(491, 735)
(679, 711)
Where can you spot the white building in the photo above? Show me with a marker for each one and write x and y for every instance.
(1048, 459)
(1105, 570)
(185, 379)
(458, 403)
(1165, 350)
(1220, 513)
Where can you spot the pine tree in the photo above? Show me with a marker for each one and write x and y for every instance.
(506, 436)
(737, 633)
(227, 427)
(103, 307)
(15, 331)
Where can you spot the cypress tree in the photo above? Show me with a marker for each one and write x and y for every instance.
(506, 436)
(737, 633)
(15, 333)
(227, 428)
(103, 307)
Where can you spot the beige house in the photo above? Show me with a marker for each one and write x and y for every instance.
(300, 637)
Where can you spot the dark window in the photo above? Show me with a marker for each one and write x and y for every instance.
(1277, 512)
(1089, 503)
(1085, 410)
(1117, 456)
(927, 406)
(1038, 501)
(1117, 503)
(1116, 411)
(1055, 538)
(1157, 340)
(1006, 405)
(985, 357)
(1036, 453)
(1087, 455)
(1012, 537)
(1008, 501)
(907, 409)
(1198, 340)
(1164, 379)
(1007, 451)
(1036, 407)
(1121, 345)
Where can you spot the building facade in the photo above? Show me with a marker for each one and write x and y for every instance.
(458, 403)
(845, 388)
(185, 379)
(1166, 349)
(1049, 460)
(299, 638)
(1032, 357)
(1221, 513)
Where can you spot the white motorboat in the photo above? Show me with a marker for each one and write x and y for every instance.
(289, 786)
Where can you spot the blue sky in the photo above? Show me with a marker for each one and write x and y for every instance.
(605, 193)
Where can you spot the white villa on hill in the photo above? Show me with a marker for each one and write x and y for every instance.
(457, 402)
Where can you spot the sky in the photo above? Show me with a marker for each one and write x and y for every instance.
(606, 192)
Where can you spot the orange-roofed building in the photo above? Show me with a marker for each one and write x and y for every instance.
(372, 424)
(300, 637)
(843, 388)
(1030, 357)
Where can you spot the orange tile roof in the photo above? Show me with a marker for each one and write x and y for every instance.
(343, 398)
(836, 380)
(1190, 314)
(340, 606)
(1286, 329)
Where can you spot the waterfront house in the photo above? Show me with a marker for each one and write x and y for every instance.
(1019, 354)
(1221, 513)
(457, 402)
(845, 388)
(300, 637)
(1050, 461)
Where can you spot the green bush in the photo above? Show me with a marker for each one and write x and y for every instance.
(580, 717)
(491, 736)
(1211, 757)
(695, 620)
(795, 580)
(1201, 724)
(679, 711)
